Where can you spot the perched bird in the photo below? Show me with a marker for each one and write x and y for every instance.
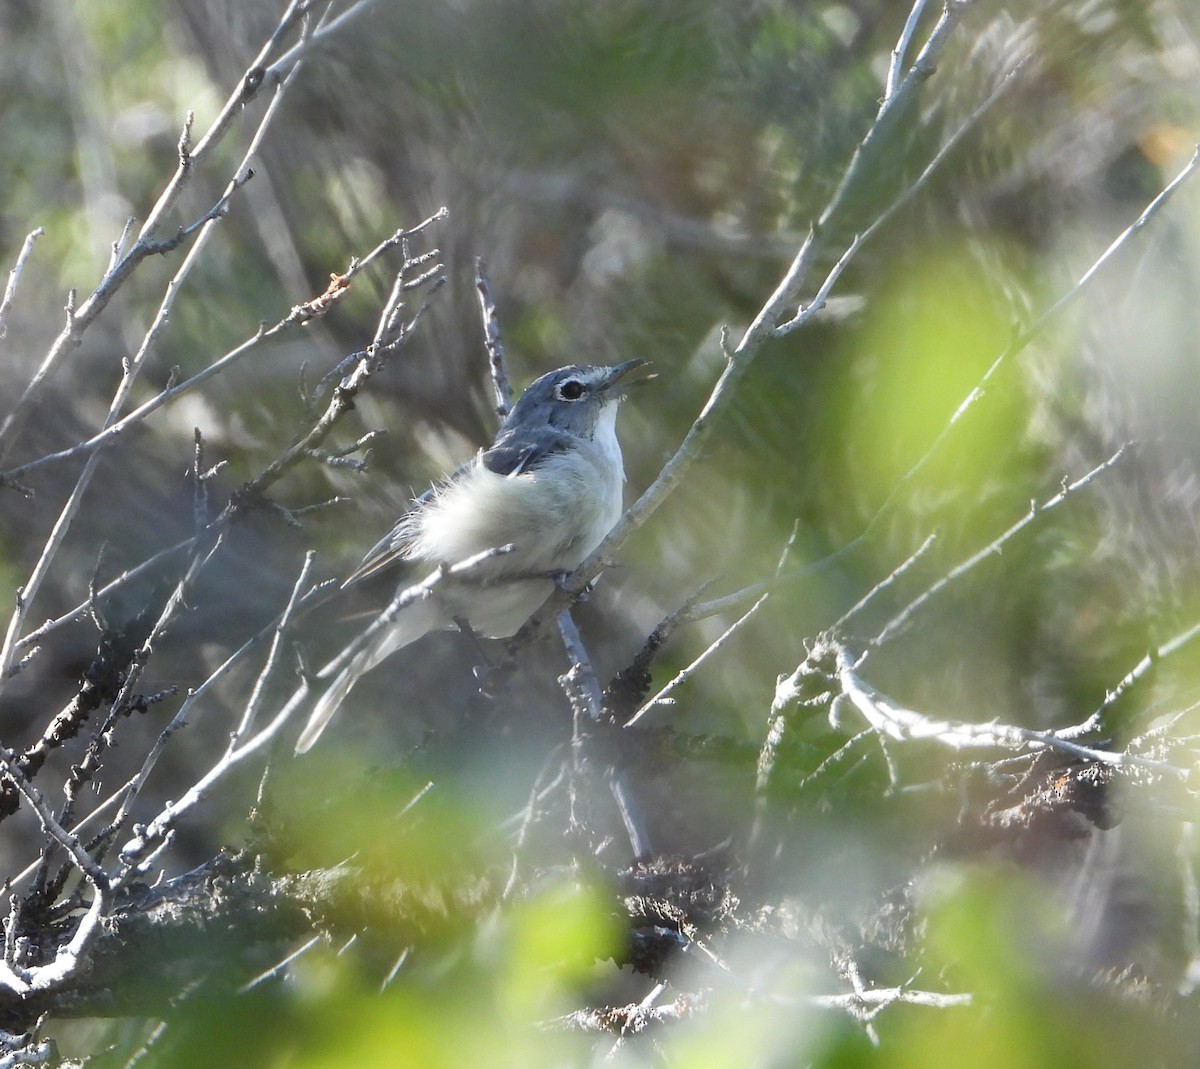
(530, 508)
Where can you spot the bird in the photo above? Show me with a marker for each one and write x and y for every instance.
(520, 514)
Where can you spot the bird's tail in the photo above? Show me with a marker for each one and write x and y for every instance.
(414, 621)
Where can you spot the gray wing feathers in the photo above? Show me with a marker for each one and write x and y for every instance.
(514, 453)
(394, 545)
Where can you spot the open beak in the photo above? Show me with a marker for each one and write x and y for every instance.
(631, 373)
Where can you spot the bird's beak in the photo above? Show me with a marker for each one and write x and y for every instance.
(631, 373)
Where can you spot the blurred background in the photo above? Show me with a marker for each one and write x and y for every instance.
(637, 177)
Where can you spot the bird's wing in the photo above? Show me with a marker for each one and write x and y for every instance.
(393, 546)
(512, 454)
(388, 549)
(516, 453)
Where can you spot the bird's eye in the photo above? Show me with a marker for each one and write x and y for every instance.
(571, 390)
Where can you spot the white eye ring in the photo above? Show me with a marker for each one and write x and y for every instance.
(571, 390)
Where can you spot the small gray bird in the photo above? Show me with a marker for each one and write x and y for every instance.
(547, 492)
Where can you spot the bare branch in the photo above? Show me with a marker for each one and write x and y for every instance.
(1136, 673)
(68, 960)
(891, 110)
(48, 821)
(1027, 334)
(339, 284)
(901, 619)
(901, 49)
(893, 721)
(132, 369)
(145, 838)
(250, 713)
(491, 339)
(807, 312)
(38, 633)
(283, 65)
(877, 998)
(580, 682)
(586, 697)
(14, 276)
(886, 583)
(248, 86)
(120, 268)
(299, 449)
(684, 674)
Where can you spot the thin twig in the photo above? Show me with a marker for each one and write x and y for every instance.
(886, 583)
(187, 710)
(80, 317)
(892, 109)
(134, 852)
(252, 80)
(1026, 335)
(537, 793)
(254, 489)
(272, 659)
(283, 65)
(138, 414)
(1137, 672)
(132, 368)
(279, 967)
(14, 276)
(50, 825)
(497, 363)
(807, 312)
(1036, 509)
(684, 674)
(901, 49)
(82, 609)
